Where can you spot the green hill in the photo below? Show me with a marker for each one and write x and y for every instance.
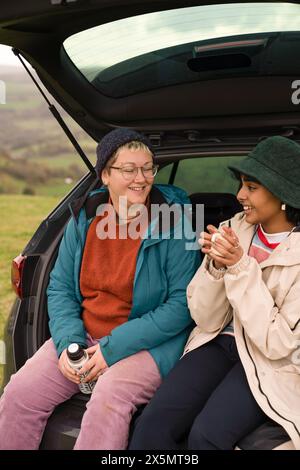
(36, 177)
(35, 154)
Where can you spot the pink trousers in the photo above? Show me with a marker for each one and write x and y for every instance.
(38, 387)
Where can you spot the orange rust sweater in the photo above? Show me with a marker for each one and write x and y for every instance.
(106, 281)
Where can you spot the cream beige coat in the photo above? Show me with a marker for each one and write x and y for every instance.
(264, 301)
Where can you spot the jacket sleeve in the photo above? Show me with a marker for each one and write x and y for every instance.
(164, 322)
(275, 331)
(64, 307)
(207, 300)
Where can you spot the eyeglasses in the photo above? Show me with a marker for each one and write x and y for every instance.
(130, 172)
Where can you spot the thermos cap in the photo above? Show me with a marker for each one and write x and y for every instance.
(75, 352)
(73, 348)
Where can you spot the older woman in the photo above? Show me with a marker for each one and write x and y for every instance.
(121, 297)
(241, 362)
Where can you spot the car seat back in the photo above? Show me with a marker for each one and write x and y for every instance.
(217, 207)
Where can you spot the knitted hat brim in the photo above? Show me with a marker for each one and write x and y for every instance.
(115, 139)
(286, 191)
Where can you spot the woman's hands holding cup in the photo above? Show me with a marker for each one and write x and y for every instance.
(221, 246)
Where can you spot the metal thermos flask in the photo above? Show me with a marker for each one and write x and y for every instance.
(77, 357)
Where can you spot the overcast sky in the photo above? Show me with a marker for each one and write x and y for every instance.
(7, 57)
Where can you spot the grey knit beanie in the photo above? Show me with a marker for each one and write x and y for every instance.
(112, 141)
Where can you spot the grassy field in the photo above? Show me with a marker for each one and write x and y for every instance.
(20, 216)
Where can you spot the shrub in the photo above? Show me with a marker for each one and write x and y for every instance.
(28, 191)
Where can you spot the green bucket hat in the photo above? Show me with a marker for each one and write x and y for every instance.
(275, 163)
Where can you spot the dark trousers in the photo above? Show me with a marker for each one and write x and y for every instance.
(204, 403)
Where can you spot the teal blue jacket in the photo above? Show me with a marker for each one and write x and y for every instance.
(159, 320)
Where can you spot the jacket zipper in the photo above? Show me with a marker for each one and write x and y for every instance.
(262, 392)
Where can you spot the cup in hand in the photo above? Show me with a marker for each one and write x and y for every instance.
(214, 237)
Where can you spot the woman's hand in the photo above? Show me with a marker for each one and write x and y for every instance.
(95, 365)
(230, 251)
(66, 369)
(206, 243)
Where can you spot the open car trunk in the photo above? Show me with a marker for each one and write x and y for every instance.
(231, 85)
(209, 96)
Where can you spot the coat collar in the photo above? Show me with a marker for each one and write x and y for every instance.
(91, 201)
(286, 254)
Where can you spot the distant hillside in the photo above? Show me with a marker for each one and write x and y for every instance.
(27, 177)
(33, 148)
(25, 118)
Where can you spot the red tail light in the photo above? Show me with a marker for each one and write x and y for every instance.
(17, 267)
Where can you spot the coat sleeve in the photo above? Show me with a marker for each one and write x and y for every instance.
(275, 331)
(64, 307)
(164, 322)
(207, 300)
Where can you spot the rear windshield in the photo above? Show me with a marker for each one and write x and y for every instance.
(148, 51)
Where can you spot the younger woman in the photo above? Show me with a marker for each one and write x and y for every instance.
(241, 362)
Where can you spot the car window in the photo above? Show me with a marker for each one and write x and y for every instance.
(209, 175)
(147, 51)
(163, 175)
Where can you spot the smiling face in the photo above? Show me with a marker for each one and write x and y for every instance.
(262, 207)
(137, 188)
